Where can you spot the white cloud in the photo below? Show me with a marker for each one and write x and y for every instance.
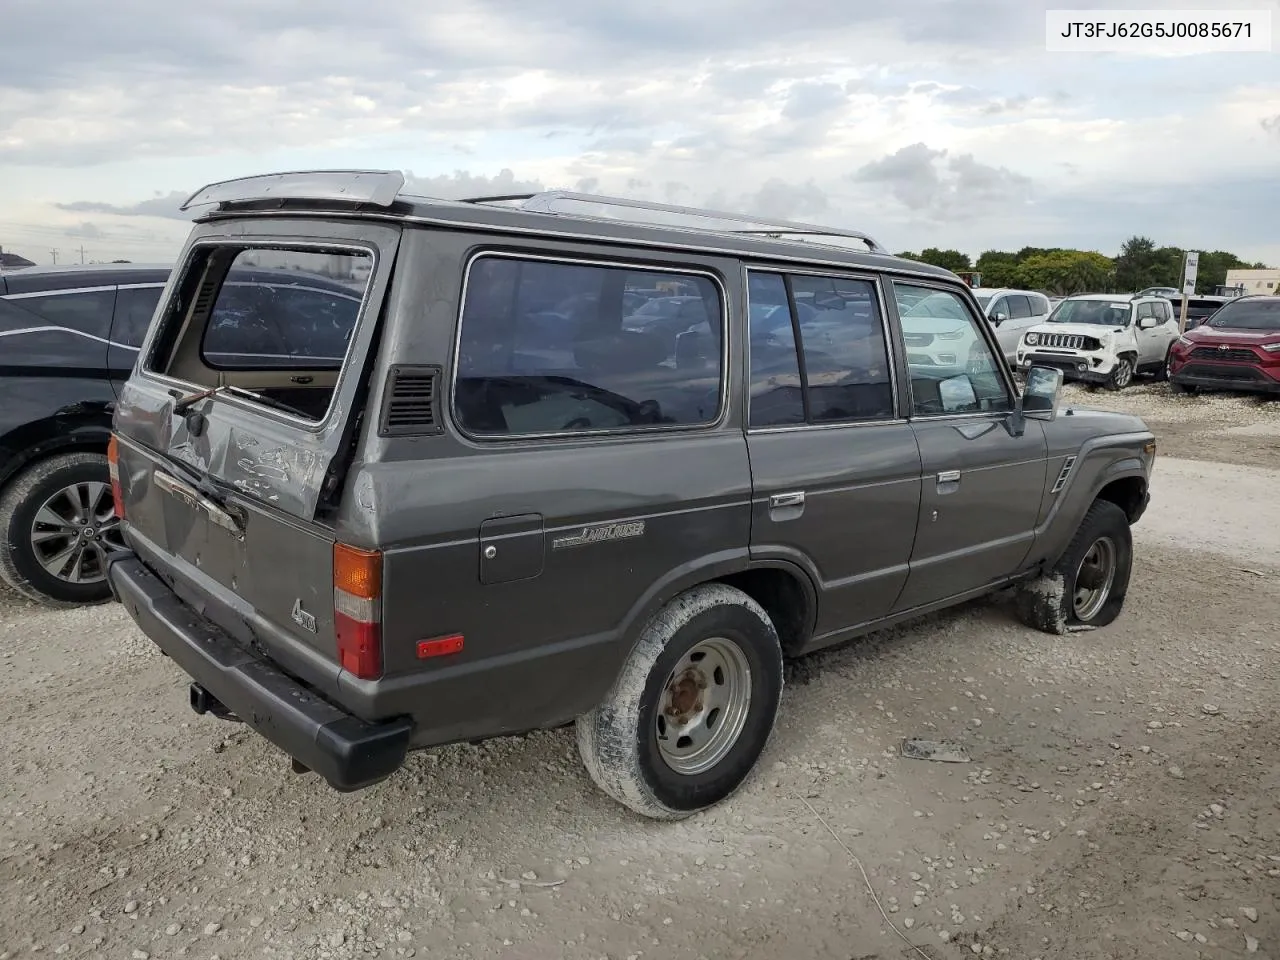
(959, 122)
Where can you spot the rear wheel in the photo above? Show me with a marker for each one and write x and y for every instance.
(693, 708)
(1088, 584)
(57, 525)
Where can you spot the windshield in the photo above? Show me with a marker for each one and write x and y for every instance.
(1106, 313)
(1248, 315)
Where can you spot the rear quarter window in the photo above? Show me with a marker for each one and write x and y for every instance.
(548, 348)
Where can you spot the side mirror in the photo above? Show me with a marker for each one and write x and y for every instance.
(999, 317)
(1146, 323)
(1039, 398)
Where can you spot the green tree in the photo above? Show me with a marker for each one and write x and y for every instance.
(1213, 269)
(1067, 272)
(999, 268)
(1136, 265)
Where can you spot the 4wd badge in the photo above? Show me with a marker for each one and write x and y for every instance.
(303, 619)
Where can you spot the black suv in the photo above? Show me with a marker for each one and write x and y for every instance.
(69, 337)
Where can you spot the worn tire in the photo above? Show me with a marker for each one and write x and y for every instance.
(19, 502)
(1046, 603)
(618, 740)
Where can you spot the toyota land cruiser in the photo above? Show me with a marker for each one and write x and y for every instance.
(513, 498)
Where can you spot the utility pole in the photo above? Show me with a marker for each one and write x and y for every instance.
(82, 254)
(54, 251)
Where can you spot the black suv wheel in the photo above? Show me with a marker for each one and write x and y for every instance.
(57, 526)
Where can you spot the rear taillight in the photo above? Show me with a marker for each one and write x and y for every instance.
(357, 610)
(113, 468)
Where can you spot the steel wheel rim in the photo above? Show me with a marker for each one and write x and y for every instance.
(703, 706)
(1094, 578)
(1124, 372)
(73, 532)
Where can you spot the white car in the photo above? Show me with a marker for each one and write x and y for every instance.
(1011, 312)
(1102, 338)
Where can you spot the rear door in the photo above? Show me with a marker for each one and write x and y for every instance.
(230, 492)
(835, 468)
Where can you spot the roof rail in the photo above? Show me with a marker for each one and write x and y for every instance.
(670, 215)
(377, 187)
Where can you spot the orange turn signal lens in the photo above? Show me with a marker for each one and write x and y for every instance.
(357, 572)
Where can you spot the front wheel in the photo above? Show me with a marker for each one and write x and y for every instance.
(1121, 374)
(692, 709)
(1087, 586)
(57, 526)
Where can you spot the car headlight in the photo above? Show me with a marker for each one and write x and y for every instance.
(1271, 347)
(1031, 339)
(1191, 343)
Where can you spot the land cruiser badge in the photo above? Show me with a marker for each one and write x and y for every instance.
(600, 533)
(303, 619)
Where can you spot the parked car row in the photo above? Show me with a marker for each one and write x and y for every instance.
(1230, 343)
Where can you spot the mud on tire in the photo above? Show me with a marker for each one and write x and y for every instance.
(630, 742)
(1052, 603)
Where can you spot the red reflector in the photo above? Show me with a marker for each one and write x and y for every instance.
(359, 646)
(113, 469)
(441, 647)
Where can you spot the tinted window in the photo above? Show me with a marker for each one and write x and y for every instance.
(1019, 307)
(88, 312)
(953, 369)
(777, 394)
(134, 309)
(846, 363)
(548, 348)
(285, 309)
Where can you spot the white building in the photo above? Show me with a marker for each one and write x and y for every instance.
(1254, 281)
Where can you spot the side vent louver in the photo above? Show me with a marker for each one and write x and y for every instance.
(1065, 472)
(411, 404)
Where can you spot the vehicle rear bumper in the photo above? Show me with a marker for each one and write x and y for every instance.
(348, 752)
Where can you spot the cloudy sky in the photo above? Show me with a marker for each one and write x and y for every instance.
(923, 122)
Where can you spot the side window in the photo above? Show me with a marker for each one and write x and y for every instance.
(556, 348)
(1019, 307)
(1166, 311)
(87, 312)
(1041, 306)
(953, 370)
(1001, 306)
(845, 374)
(776, 393)
(1146, 310)
(846, 361)
(134, 308)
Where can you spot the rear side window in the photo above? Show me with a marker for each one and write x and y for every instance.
(84, 311)
(549, 348)
(1019, 307)
(135, 307)
(845, 374)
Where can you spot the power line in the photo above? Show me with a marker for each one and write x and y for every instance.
(54, 251)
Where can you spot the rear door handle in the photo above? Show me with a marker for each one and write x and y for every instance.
(786, 500)
(949, 476)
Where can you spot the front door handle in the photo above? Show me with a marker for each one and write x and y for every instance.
(949, 476)
(786, 500)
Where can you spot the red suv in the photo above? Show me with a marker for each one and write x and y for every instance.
(1238, 348)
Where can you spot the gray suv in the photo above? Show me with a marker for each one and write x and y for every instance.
(512, 496)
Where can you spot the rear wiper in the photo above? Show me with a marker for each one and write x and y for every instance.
(183, 404)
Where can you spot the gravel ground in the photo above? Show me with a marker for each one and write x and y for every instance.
(1122, 801)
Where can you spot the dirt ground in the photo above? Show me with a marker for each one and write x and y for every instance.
(1123, 800)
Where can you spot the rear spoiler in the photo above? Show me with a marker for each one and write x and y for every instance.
(377, 187)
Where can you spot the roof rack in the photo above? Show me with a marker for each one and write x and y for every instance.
(568, 203)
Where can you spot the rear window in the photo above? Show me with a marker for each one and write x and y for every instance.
(550, 348)
(267, 323)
